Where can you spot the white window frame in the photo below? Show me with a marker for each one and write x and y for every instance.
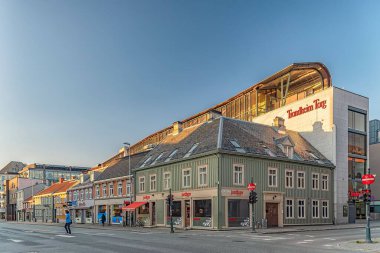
(120, 188)
(289, 183)
(89, 193)
(97, 191)
(86, 194)
(316, 214)
(325, 208)
(153, 183)
(167, 181)
(142, 184)
(325, 183)
(289, 208)
(104, 188)
(110, 189)
(303, 180)
(203, 175)
(184, 180)
(236, 174)
(314, 186)
(303, 208)
(128, 189)
(270, 175)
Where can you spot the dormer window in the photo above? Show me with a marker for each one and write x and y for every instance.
(237, 146)
(289, 151)
(171, 155)
(191, 150)
(146, 161)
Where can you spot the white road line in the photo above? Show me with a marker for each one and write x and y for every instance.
(331, 239)
(311, 236)
(328, 245)
(15, 240)
(66, 236)
(308, 240)
(301, 242)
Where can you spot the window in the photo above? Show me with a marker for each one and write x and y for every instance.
(110, 187)
(325, 209)
(301, 208)
(238, 174)
(97, 191)
(128, 189)
(104, 190)
(158, 158)
(289, 208)
(167, 183)
(315, 208)
(141, 184)
(325, 182)
(119, 188)
(171, 155)
(357, 121)
(272, 177)
(202, 208)
(152, 181)
(202, 176)
(81, 195)
(237, 146)
(186, 178)
(90, 193)
(301, 179)
(146, 161)
(238, 212)
(191, 150)
(289, 178)
(315, 181)
(357, 144)
(86, 194)
(288, 150)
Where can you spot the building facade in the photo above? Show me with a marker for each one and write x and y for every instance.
(374, 131)
(24, 194)
(374, 164)
(208, 167)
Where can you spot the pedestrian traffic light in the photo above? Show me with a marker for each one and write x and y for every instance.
(254, 197)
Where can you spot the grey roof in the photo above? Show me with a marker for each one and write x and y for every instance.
(12, 168)
(121, 168)
(251, 138)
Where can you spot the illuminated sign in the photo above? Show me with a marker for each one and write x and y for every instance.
(308, 108)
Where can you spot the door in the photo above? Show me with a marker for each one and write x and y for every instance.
(272, 214)
(153, 213)
(187, 213)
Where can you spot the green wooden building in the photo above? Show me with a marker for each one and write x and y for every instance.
(208, 167)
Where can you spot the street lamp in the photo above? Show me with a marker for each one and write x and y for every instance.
(127, 144)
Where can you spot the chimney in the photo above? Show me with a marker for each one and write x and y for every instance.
(279, 124)
(61, 180)
(214, 114)
(177, 127)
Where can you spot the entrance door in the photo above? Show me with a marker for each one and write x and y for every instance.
(153, 213)
(187, 213)
(272, 214)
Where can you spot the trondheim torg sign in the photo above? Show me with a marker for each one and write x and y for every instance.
(308, 108)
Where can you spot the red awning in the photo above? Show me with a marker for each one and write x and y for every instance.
(133, 206)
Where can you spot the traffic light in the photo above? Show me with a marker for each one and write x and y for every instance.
(252, 197)
(169, 199)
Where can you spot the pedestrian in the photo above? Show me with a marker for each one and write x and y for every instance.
(68, 222)
(103, 219)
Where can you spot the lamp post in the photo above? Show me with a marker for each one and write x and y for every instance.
(127, 144)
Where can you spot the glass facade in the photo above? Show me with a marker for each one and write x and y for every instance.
(374, 131)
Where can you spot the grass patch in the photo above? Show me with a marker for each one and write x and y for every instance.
(361, 242)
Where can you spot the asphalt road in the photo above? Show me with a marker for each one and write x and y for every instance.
(41, 238)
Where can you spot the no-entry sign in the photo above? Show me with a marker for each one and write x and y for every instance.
(368, 179)
(251, 186)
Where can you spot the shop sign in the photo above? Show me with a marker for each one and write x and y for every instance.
(354, 194)
(317, 104)
(237, 192)
(146, 197)
(186, 194)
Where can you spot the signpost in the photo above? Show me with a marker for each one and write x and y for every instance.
(368, 179)
(252, 199)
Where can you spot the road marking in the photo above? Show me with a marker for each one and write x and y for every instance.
(301, 242)
(66, 236)
(311, 236)
(328, 245)
(308, 240)
(331, 239)
(15, 240)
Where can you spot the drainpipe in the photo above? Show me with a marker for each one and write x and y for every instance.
(219, 193)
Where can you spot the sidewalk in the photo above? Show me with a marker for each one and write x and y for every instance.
(289, 229)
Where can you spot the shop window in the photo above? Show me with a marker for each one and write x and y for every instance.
(356, 168)
(315, 181)
(167, 183)
(186, 178)
(238, 213)
(301, 208)
(272, 177)
(176, 213)
(202, 176)
(325, 209)
(300, 179)
(289, 208)
(238, 174)
(357, 121)
(202, 213)
(289, 178)
(357, 144)
(153, 182)
(315, 209)
(325, 182)
(141, 184)
(144, 209)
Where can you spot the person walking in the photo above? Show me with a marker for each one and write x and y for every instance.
(103, 219)
(68, 222)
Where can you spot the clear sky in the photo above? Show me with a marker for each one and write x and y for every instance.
(79, 78)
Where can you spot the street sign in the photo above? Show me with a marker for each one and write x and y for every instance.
(251, 186)
(368, 179)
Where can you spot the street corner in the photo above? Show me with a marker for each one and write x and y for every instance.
(361, 245)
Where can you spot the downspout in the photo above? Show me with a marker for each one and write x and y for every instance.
(219, 147)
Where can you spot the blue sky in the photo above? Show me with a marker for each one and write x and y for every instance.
(79, 78)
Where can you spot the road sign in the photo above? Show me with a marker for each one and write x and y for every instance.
(251, 186)
(368, 179)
